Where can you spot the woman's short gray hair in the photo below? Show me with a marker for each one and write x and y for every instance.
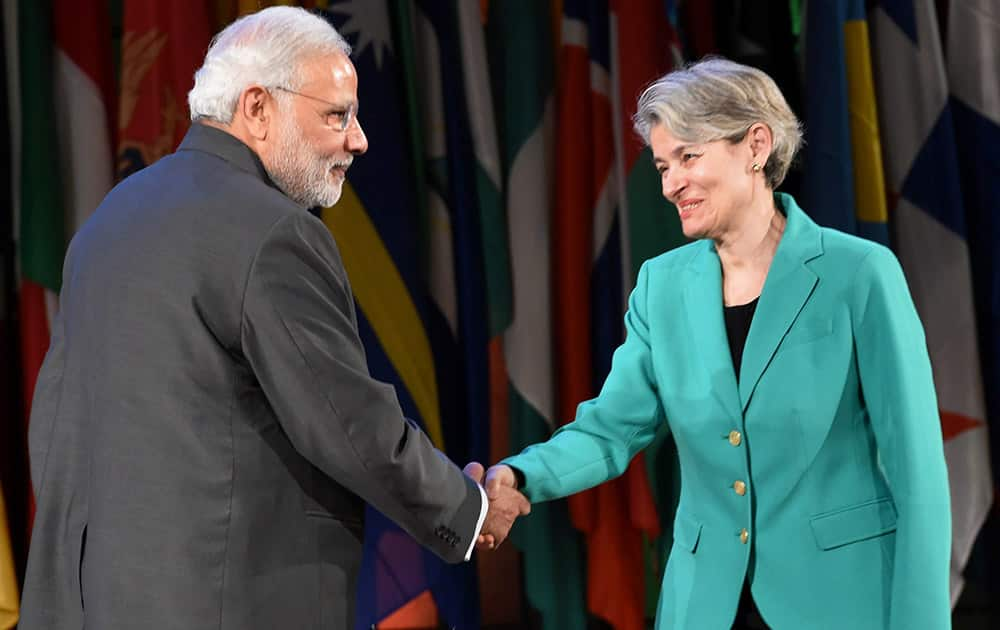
(265, 48)
(718, 99)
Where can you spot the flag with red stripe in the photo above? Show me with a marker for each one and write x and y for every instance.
(42, 235)
(589, 289)
(644, 46)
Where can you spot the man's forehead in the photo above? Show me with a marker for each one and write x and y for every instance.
(342, 68)
(335, 67)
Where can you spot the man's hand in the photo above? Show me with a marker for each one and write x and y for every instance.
(506, 503)
(498, 476)
(474, 471)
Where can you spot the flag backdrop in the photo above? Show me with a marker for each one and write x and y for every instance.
(41, 219)
(8, 578)
(590, 285)
(372, 224)
(973, 42)
(843, 184)
(495, 227)
(973, 64)
(84, 99)
(522, 58)
(930, 237)
(644, 46)
(11, 425)
(163, 43)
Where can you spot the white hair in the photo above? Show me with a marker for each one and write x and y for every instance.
(266, 48)
(719, 99)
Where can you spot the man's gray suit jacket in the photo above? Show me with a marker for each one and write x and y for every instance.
(204, 430)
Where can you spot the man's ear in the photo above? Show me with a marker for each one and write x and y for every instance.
(256, 108)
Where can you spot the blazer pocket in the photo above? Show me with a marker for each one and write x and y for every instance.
(687, 532)
(807, 331)
(854, 523)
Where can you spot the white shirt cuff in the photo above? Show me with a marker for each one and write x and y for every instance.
(479, 524)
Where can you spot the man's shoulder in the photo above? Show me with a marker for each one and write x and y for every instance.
(196, 204)
(205, 182)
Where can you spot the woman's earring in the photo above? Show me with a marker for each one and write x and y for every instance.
(756, 167)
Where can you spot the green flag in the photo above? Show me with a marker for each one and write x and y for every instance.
(519, 35)
(42, 225)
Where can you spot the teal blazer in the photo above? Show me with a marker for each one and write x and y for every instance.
(819, 476)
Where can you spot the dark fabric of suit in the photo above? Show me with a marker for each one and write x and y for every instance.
(205, 430)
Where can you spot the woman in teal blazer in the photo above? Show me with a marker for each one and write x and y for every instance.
(790, 366)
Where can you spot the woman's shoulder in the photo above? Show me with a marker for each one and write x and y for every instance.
(676, 258)
(861, 262)
(844, 249)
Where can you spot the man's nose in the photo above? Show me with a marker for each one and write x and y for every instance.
(357, 141)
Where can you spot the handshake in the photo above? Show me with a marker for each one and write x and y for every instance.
(506, 503)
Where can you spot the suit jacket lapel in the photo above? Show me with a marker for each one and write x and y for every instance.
(787, 289)
(703, 300)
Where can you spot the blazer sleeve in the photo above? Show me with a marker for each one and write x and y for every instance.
(608, 430)
(898, 390)
(299, 334)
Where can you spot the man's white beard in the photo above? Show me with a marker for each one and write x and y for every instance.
(302, 175)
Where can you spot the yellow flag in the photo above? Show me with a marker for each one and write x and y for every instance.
(8, 579)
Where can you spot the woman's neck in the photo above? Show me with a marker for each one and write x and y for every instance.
(746, 252)
(751, 243)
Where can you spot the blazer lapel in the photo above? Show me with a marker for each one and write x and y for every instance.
(787, 289)
(703, 300)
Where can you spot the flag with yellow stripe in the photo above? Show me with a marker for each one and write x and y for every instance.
(377, 225)
(843, 184)
(8, 578)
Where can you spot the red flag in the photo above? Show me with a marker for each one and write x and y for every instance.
(583, 166)
(85, 105)
(163, 43)
(73, 86)
(42, 236)
(587, 268)
(647, 47)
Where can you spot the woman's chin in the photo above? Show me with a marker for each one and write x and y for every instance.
(692, 230)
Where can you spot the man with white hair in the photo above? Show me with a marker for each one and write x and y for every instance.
(205, 432)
